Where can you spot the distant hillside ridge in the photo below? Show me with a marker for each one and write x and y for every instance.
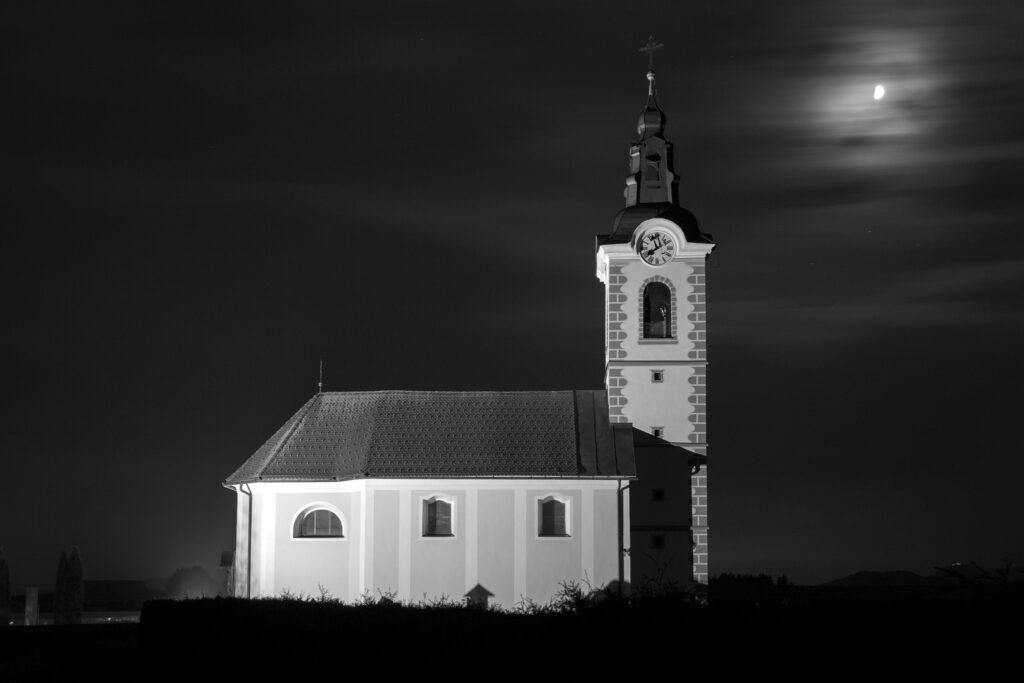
(879, 579)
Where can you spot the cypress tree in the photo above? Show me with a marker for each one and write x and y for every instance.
(5, 590)
(60, 590)
(74, 591)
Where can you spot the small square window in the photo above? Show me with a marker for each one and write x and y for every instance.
(658, 431)
(657, 375)
(658, 495)
(657, 541)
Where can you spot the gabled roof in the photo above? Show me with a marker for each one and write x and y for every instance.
(445, 434)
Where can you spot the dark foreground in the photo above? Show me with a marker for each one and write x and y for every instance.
(676, 638)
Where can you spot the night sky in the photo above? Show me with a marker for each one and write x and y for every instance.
(199, 202)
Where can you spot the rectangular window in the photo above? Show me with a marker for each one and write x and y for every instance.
(552, 515)
(657, 375)
(437, 517)
(657, 431)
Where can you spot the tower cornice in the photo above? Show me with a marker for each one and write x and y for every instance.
(627, 251)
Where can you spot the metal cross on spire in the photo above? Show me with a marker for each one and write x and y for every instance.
(649, 48)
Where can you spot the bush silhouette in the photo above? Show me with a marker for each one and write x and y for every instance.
(192, 582)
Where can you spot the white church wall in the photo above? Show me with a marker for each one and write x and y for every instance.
(382, 573)
(437, 564)
(496, 528)
(495, 540)
(552, 560)
(262, 531)
(606, 564)
(303, 565)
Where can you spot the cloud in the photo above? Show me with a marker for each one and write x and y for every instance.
(979, 296)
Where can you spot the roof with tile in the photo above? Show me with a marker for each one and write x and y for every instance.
(445, 434)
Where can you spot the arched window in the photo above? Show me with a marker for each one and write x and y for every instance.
(437, 517)
(552, 515)
(657, 311)
(319, 523)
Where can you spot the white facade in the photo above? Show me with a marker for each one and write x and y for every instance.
(495, 539)
(664, 403)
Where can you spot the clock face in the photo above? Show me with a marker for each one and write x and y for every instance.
(657, 247)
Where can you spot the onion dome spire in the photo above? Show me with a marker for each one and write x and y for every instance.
(651, 178)
(652, 189)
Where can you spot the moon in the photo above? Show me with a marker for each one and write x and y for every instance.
(879, 92)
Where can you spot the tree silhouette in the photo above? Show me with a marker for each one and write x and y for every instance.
(75, 590)
(978, 582)
(59, 599)
(69, 593)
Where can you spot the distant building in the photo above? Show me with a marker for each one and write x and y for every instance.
(423, 493)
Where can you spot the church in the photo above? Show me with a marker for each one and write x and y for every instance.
(507, 495)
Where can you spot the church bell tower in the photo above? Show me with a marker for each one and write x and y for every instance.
(653, 267)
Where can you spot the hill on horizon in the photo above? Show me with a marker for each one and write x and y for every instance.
(874, 579)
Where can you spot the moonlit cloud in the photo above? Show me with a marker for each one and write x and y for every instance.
(943, 299)
(842, 106)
